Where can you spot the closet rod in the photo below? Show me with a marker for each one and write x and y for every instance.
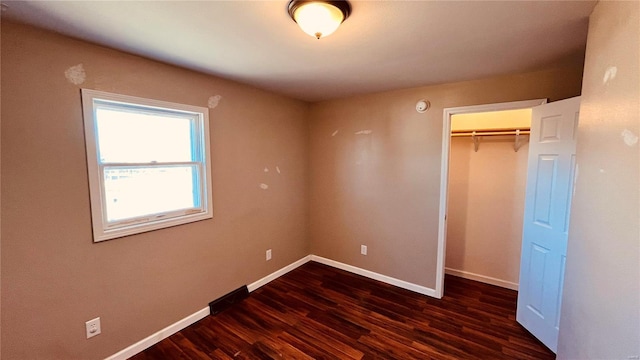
(477, 135)
(489, 133)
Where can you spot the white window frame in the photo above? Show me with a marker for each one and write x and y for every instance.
(102, 228)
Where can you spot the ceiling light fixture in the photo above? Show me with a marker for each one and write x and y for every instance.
(319, 18)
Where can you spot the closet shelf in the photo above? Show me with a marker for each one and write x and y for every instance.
(477, 134)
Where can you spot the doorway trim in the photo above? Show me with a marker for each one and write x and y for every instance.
(444, 172)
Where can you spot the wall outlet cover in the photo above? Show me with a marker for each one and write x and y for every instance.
(93, 327)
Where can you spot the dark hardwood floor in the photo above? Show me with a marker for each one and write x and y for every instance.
(318, 312)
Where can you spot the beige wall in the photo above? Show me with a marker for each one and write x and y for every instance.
(601, 302)
(54, 278)
(381, 187)
(486, 207)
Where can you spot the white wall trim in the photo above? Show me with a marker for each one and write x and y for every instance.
(197, 316)
(375, 276)
(267, 279)
(482, 278)
(160, 335)
(444, 172)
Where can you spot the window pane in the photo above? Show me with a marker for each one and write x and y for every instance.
(128, 135)
(138, 191)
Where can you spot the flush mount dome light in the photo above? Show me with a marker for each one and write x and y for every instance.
(319, 18)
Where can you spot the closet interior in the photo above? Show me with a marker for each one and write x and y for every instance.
(487, 179)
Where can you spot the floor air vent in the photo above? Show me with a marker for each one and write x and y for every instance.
(226, 301)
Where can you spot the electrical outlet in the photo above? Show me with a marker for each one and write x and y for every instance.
(93, 327)
(363, 249)
(268, 254)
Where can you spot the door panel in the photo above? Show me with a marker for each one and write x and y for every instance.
(550, 128)
(538, 260)
(563, 261)
(550, 175)
(543, 193)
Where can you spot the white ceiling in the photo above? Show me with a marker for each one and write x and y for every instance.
(383, 45)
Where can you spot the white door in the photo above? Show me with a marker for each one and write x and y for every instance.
(551, 166)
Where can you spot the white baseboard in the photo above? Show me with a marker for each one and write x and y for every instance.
(160, 335)
(195, 317)
(200, 314)
(482, 278)
(375, 276)
(267, 279)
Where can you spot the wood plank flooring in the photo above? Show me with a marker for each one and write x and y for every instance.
(318, 312)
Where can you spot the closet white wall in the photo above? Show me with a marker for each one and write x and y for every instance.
(485, 209)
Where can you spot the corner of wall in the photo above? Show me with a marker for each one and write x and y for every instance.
(601, 296)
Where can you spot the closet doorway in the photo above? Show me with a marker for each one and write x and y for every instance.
(483, 227)
(487, 183)
(551, 169)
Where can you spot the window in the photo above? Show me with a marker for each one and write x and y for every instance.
(148, 163)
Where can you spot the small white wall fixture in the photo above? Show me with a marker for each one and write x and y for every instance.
(444, 172)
